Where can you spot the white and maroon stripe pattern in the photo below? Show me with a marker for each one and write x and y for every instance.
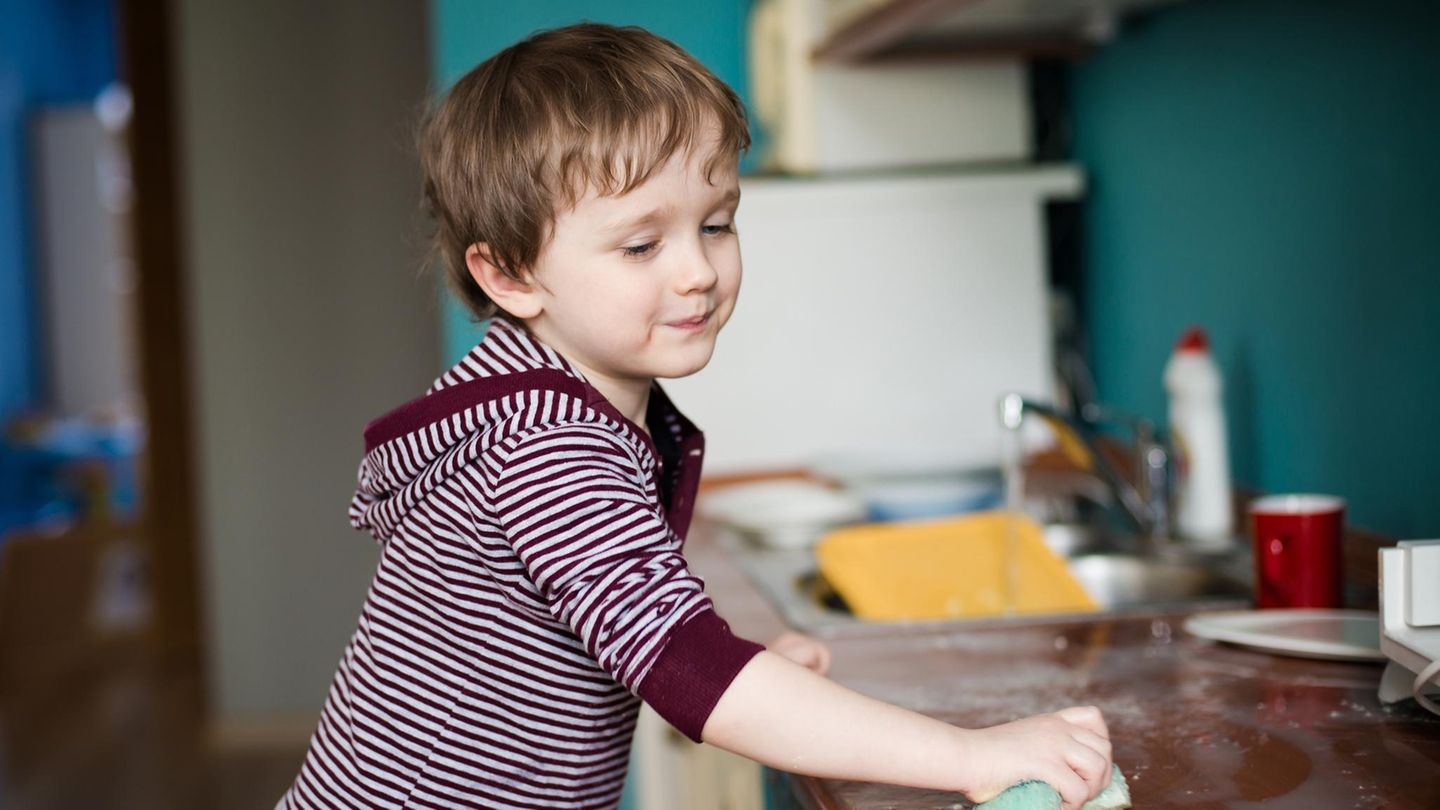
(593, 544)
(529, 587)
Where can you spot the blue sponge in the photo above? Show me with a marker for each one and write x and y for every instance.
(1040, 796)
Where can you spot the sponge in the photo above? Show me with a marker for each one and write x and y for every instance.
(1040, 796)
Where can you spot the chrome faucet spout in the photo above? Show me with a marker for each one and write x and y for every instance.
(1146, 500)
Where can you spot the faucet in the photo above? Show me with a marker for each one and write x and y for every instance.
(1146, 502)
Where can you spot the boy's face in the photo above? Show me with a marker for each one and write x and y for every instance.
(621, 276)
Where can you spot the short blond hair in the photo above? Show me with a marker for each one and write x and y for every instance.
(537, 125)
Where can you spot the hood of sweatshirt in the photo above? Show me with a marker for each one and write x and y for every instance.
(412, 449)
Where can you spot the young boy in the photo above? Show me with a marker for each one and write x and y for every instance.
(531, 506)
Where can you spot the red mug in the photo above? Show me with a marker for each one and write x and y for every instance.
(1297, 550)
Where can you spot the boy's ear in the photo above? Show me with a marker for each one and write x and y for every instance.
(519, 298)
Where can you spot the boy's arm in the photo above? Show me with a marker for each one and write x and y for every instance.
(785, 716)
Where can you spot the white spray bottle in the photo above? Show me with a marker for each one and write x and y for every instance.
(1204, 514)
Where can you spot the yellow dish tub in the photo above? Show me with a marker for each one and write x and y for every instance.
(948, 568)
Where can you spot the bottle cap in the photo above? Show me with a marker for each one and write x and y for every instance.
(1194, 340)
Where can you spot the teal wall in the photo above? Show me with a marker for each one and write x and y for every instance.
(466, 33)
(1268, 169)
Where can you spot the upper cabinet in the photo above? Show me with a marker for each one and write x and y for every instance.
(845, 85)
(870, 31)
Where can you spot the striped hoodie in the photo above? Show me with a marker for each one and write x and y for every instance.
(530, 593)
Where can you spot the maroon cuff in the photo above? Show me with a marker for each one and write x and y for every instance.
(694, 669)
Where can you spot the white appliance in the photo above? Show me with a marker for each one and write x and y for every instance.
(1410, 620)
(882, 314)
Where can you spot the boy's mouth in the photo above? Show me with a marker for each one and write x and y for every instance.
(692, 323)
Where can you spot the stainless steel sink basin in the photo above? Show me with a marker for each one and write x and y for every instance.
(1122, 581)
(1119, 582)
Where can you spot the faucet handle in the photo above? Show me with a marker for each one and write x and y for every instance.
(1155, 456)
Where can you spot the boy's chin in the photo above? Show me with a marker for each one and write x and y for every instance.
(684, 366)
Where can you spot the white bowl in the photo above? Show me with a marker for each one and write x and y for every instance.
(903, 485)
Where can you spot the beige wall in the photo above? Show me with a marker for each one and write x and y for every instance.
(300, 190)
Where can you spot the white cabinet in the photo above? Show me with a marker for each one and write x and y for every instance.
(822, 117)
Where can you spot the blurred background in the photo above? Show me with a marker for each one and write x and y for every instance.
(211, 278)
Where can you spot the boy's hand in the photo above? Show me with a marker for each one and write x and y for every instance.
(1068, 750)
(802, 649)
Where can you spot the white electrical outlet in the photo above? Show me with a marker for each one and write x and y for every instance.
(1422, 591)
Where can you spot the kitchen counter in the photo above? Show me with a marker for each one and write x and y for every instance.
(1194, 725)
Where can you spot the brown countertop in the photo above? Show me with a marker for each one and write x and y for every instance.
(1194, 725)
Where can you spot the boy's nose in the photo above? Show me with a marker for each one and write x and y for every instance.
(698, 273)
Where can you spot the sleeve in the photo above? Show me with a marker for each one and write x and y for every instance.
(572, 503)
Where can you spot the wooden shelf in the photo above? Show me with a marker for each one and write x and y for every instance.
(1056, 181)
(877, 31)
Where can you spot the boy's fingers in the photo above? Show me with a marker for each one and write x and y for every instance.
(1072, 789)
(804, 650)
(1087, 717)
(1090, 766)
(1094, 741)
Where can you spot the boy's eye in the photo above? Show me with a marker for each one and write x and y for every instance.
(639, 250)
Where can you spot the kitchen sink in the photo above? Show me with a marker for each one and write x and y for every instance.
(1126, 581)
(1118, 582)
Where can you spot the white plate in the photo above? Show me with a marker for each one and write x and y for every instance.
(1352, 635)
(784, 513)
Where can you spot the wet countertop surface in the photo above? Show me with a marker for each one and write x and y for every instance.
(1193, 724)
